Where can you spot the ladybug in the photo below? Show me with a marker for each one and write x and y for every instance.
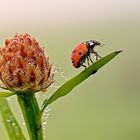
(82, 52)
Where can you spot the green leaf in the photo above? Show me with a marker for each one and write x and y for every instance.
(6, 94)
(9, 121)
(69, 85)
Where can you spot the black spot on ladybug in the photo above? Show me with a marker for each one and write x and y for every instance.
(80, 53)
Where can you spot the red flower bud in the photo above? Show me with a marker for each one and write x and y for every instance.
(24, 66)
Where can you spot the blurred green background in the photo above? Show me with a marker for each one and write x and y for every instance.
(107, 105)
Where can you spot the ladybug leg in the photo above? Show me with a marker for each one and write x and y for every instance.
(90, 59)
(96, 55)
(84, 66)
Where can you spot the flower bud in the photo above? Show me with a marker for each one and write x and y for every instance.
(24, 66)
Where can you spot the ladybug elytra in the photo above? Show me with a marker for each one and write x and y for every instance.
(82, 52)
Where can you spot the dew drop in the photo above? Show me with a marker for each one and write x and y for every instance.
(44, 123)
(44, 135)
(59, 71)
(46, 110)
(14, 124)
(9, 121)
(45, 118)
(8, 99)
(49, 109)
(23, 123)
(48, 114)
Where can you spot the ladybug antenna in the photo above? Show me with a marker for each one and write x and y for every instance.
(97, 43)
(101, 45)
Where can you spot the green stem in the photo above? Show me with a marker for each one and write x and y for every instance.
(32, 114)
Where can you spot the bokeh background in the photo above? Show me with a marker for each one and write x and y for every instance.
(107, 105)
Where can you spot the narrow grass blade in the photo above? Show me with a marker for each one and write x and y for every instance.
(69, 85)
(10, 122)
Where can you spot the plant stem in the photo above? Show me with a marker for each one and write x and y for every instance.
(32, 114)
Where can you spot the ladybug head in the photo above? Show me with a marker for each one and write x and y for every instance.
(93, 43)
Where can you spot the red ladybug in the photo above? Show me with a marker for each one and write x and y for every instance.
(82, 53)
